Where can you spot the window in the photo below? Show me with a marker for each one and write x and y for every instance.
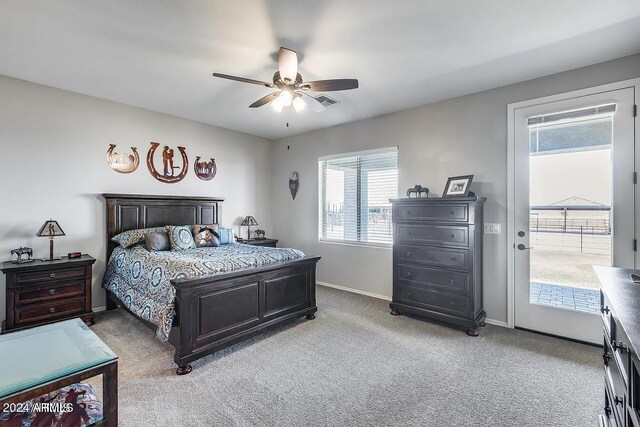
(354, 195)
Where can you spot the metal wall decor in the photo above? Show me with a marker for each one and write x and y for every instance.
(294, 183)
(121, 162)
(205, 170)
(418, 190)
(168, 174)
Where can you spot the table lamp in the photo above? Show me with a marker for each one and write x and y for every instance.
(249, 221)
(50, 229)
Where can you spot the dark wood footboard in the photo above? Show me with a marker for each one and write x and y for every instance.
(217, 311)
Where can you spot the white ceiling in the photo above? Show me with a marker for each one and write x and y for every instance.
(159, 54)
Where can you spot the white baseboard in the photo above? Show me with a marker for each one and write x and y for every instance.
(99, 309)
(370, 294)
(355, 291)
(496, 323)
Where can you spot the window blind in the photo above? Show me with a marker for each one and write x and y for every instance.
(580, 114)
(354, 193)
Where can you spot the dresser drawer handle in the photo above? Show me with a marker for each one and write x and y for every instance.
(606, 358)
(408, 275)
(618, 346)
(52, 310)
(408, 212)
(453, 258)
(451, 212)
(52, 291)
(52, 275)
(617, 400)
(604, 309)
(452, 235)
(408, 254)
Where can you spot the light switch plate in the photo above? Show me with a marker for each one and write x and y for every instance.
(490, 228)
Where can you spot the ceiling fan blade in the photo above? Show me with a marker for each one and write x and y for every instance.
(331, 85)
(243, 80)
(313, 104)
(264, 100)
(287, 65)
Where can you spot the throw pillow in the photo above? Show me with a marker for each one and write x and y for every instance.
(180, 237)
(157, 241)
(206, 235)
(133, 237)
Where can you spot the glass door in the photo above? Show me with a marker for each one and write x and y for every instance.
(574, 208)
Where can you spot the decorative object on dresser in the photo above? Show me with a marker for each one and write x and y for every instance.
(294, 183)
(437, 260)
(418, 190)
(260, 234)
(271, 243)
(205, 170)
(22, 251)
(619, 307)
(123, 163)
(50, 229)
(40, 293)
(249, 222)
(458, 186)
(168, 174)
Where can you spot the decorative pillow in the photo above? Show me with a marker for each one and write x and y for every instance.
(205, 235)
(180, 237)
(226, 235)
(157, 241)
(133, 237)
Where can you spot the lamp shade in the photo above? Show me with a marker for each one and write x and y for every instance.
(50, 228)
(249, 221)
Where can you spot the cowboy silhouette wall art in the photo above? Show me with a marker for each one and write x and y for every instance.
(205, 170)
(170, 172)
(121, 162)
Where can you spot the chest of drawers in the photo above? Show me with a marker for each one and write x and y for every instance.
(437, 260)
(619, 308)
(43, 292)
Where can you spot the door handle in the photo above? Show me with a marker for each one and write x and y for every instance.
(523, 247)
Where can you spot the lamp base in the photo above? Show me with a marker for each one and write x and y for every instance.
(56, 258)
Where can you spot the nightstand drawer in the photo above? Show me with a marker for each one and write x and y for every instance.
(48, 275)
(65, 290)
(48, 311)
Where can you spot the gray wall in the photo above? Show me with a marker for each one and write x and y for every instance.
(466, 135)
(53, 165)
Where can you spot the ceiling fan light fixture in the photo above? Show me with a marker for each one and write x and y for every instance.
(277, 105)
(298, 104)
(285, 98)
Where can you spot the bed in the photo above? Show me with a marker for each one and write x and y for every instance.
(244, 291)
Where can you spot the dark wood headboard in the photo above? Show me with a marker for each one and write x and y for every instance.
(131, 211)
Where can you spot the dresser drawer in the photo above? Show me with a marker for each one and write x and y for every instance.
(433, 279)
(441, 212)
(447, 235)
(53, 292)
(450, 258)
(433, 300)
(619, 347)
(49, 311)
(49, 275)
(616, 385)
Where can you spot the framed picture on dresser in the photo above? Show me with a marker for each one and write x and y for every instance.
(457, 186)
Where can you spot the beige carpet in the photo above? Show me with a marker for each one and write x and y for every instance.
(356, 365)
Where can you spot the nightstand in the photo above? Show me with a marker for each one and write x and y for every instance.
(42, 292)
(271, 243)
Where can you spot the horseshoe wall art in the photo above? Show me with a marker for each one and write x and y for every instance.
(123, 163)
(168, 174)
(205, 170)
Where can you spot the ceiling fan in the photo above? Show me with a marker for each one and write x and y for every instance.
(291, 89)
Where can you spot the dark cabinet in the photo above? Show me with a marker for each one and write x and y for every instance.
(437, 260)
(619, 307)
(48, 291)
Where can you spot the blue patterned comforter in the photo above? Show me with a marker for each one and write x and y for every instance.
(141, 279)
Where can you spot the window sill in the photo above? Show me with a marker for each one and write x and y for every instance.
(386, 246)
